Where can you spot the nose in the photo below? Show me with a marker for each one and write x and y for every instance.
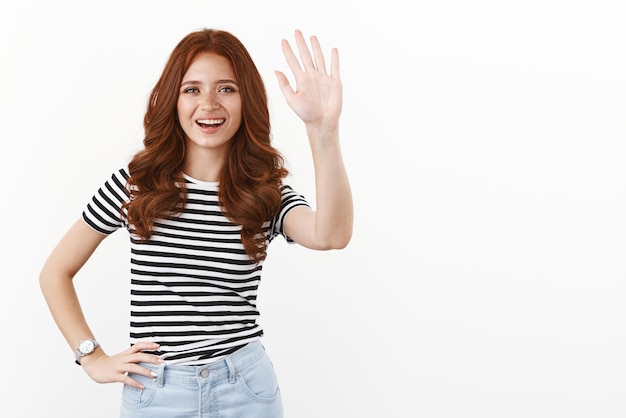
(210, 100)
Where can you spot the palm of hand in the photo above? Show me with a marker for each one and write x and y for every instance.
(317, 98)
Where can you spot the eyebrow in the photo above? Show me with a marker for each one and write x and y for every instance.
(222, 81)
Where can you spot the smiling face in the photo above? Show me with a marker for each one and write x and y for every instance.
(209, 106)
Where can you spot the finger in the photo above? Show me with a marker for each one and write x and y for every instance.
(146, 358)
(334, 64)
(143, 346)
(284, 85)
(125, 379)
(292, 61)
(305, 54)
(137, 369)
(318, 55)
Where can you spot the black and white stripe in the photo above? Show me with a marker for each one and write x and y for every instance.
(193, 289)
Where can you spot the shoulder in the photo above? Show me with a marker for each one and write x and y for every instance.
(119, 178)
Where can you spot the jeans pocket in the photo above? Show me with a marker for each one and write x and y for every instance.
(259, 382)
(133, 398)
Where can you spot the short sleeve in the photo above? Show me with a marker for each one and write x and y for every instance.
(290, 200)
(104, 212)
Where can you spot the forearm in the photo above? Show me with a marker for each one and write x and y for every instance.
(56, 280)
(334, 209)
(62, 300)
(63, 303)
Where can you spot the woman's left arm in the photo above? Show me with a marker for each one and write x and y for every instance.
(317, 100)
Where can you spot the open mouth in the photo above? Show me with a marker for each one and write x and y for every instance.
(208, 123)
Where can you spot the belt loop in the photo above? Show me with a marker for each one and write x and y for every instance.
(232, 374)
(160, 377)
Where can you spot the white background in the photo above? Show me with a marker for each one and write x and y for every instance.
(485, 143)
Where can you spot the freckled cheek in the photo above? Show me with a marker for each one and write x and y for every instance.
(235, 108)
(184, 110)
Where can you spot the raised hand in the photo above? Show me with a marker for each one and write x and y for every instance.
(317, 96)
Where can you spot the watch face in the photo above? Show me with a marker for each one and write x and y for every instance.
(86, 346)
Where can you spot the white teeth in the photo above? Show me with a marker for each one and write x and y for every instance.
(211, 121)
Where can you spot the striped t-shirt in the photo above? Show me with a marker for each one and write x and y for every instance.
(193, 288)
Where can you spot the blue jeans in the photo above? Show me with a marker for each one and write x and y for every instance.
(242, 385)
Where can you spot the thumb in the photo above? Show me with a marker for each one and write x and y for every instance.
(284, 85)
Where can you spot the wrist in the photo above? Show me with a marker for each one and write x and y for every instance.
(84, 349)
(322, 131)
(91, 358)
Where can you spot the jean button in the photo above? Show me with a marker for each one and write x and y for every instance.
(204, 373)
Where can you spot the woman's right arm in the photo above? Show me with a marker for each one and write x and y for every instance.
(56, 281)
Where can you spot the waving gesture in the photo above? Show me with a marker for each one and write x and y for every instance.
(317, 97)
(317, 100)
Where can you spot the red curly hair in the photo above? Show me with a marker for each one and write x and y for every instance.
(249, 191)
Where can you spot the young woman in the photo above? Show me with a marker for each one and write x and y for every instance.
(201, 202)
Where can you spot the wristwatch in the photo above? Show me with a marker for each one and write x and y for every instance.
(85, 347)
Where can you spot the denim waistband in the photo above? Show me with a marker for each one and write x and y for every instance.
(226, 367)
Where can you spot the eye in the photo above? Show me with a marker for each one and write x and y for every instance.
(191, 90)
(226, 89)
